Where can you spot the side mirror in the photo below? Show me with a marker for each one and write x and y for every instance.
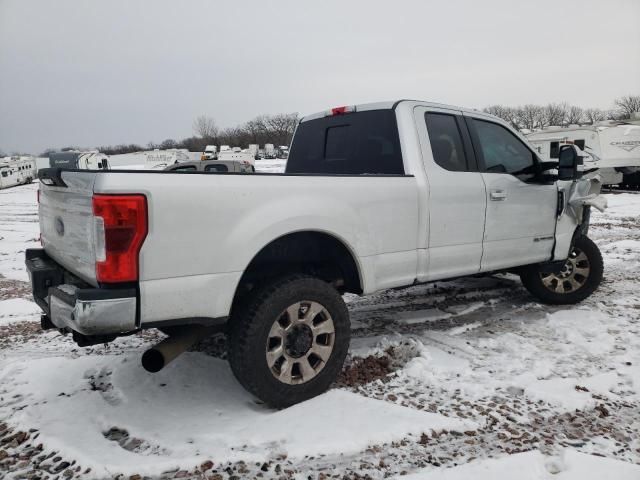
(568, 162)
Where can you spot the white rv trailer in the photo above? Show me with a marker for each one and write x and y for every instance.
(269, 150)
(246, 158)
(16, 171)
(79, 160)
(253, 149)
(614, 147)
(151, 159)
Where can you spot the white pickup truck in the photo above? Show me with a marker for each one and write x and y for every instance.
(373, 197)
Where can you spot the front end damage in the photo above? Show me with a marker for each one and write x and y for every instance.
(575, 201)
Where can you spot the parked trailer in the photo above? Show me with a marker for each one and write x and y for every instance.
(614, 147)
(253, 149)
(16, 171)
(269, 151)
(152, 159)
(245, 158)
(76, 160)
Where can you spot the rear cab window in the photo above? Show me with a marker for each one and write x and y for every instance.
(186, 168)
(360, 143)
(216, 168)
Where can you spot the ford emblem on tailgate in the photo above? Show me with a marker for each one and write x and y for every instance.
(59, 226)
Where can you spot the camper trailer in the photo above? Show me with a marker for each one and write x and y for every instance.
(253, 149)
(16, 171)
(269, 151)
(613, 147)
(245, 158)
(76, 160)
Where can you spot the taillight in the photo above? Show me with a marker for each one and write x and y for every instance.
(120, 230)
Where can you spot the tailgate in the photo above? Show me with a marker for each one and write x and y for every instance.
(66, 220)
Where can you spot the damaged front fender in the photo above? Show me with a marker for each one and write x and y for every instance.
(578, 196)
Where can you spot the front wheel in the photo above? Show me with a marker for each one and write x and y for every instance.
(288, 342)
(579, 277)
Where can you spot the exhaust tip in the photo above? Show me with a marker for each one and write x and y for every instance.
(153, 360)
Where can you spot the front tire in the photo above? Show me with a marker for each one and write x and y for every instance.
(288, 342)
(580, 276)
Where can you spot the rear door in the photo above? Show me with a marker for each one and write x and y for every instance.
(521, 208)
(456, 200)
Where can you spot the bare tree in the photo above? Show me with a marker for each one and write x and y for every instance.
(574, 115)
(281, 127)
(555, 114)
(593, 115)
(531, 116)
(614, 114)
(507, 114)
(205, 127)
(628, 105)
(168, 143)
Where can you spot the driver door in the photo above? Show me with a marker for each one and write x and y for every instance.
(520, 218)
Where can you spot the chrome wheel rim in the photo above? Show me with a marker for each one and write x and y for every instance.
(573, 275)
(300, 342)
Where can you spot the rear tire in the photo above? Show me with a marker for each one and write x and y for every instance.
(288, 342)
(579, 278)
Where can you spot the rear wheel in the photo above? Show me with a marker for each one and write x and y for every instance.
(288, 342)
(579, 277)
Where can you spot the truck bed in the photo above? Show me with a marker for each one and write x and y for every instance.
(205, 228)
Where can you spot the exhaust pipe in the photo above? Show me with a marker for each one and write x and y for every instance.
(158, 357)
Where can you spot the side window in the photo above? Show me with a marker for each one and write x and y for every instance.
(554, 150)
(579, 144)
(4, 173)
(216, 168)
(446, 142)
(502, 151)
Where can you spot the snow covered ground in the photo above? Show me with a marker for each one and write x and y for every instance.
(462, 379)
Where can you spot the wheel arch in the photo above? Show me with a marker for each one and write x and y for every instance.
(317, 252)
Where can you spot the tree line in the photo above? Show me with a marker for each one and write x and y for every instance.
(278, 129)
(532, 117)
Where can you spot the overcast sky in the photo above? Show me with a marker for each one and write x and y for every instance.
(93, 73)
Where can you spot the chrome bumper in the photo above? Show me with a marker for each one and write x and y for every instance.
(92, 311)
(86, 311)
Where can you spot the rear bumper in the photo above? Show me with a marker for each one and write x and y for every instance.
(88, 311)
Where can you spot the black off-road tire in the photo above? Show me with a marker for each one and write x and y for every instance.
(532, 277)
(248, 333)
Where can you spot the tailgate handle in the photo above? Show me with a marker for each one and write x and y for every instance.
(51, 176)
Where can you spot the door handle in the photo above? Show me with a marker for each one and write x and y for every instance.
(498, 195)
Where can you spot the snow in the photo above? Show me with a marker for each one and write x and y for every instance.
(18, 228)
(569, 465)
(17, 310)
(477, 355)
(192, 410)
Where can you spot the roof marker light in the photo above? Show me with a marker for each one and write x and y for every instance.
(341, 110)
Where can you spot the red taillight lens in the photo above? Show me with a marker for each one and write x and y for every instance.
(123, 219)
